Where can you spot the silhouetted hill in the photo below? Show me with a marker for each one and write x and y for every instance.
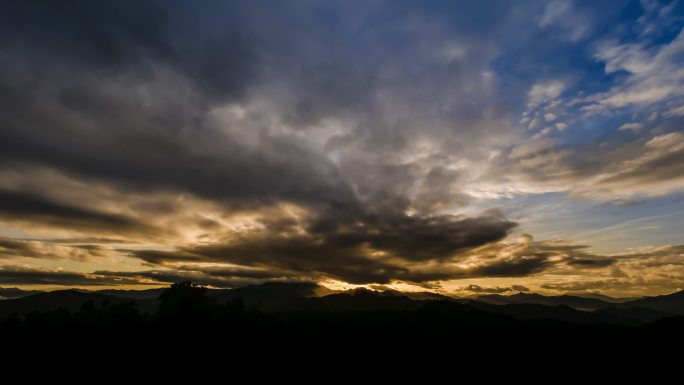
(631, 314)
(586, 310)
(133, 294)
(603, 297)
(579, 303)
(307, 297)
(13, 292)
(417, 295)
(272, 296)
(191, 315)
(71, 300)
(361, 300)
(531, 311)
(670, 303)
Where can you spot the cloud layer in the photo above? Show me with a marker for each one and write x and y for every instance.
(364, 143)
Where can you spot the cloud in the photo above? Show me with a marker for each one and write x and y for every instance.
(518, 267)
(218, 277)
(652, 269)
(114, 37)
(311, 141)
(195, 135)
(632, 58)
(631, 127)
(296, 259)
(213, 276)
(492, 290)
(573, 22)
(12, 248)
(655, 170)
(647, 269)
(676, 111)
(148, 99)
(657, 17)
(23, 275)
(370, 249)
(26, 206)
(526, 257)
(358, 258)
(544, 92)
(654, 74)
(609, 170)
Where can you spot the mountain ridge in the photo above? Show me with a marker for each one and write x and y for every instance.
(273, 297)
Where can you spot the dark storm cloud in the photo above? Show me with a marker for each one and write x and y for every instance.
(162, 256)
(20, 275)
(10, 248)
(111, 36)
(125, 99)
(657, 261)
(325, 105)
(24, 206)
(296, 258)
(589, 263)
(413, 238)
(520, 288)
(575, 255)
(374, 249)
(519, 267)
(477, 289)
(218, 277)
(128, 89)
(46, 249)
(315, 256)
(382, 250)
(85, 240)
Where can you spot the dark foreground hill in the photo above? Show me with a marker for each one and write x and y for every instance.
(671, 303)
(218, 332)
(13, 292)
(292, 313)
(579, 303)
(278, 297)
(69, 300)
(664, 304)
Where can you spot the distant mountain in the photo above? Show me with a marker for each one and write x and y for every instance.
(133, 294)
(670, 303)
(599, 309)
(530, 311)
(633, 314)
(378, 312)
(71, 300)
(13, 292)
(268, 297)
(362, 300)
(272, 296)
(416, 295)
(578, 303)
(304, 296)
(603, 297)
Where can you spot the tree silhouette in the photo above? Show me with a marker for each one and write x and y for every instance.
(186, 301)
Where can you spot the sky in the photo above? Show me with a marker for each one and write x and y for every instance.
(459, 147)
